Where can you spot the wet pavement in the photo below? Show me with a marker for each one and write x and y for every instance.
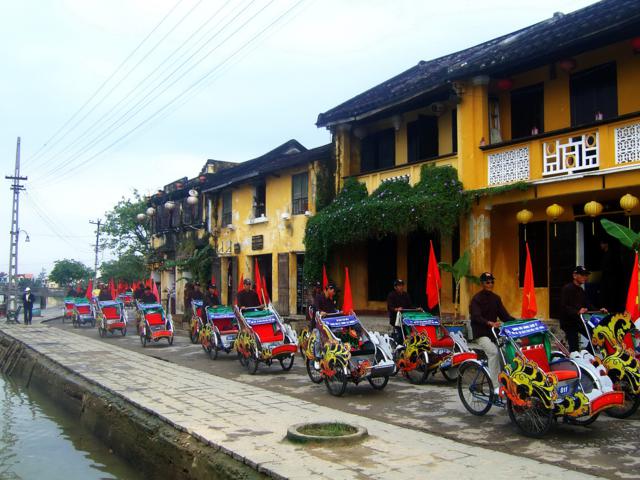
(607, 448)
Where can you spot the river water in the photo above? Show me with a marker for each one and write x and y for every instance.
(38, 440)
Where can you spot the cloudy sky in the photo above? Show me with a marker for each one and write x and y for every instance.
(109, 96)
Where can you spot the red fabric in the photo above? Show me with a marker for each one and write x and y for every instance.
(112, 289)
(88, 294)
(267, 299)
(266, 334)
(433, 279)
(347, 302)
(83, 309)
(258, 280)
(431, 331)
(538, 354)
(529, 304)
(225, 325)
(154, 288)
(287, 348)
(325, 280)
(240, 287)
(563, 375)
(110, 313)
(154, 318)
(632, 295)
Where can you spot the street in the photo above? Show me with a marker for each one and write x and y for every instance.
(607, 448)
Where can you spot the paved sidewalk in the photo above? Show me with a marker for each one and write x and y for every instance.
(250, 422)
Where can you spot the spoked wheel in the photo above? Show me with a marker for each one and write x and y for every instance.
(587, 383)
(631, 401)
(143, 340)
(194, 333)
(378, 383)
(420, 374)
(123, 332)
(101, 332)
(533, 420)
(242, 360)
(93, 323)
(252, 364)
(314, 373)
(475, 388)
(450, 374)
(336, 384)
(170, 339)
(286, 363)
(213, 352)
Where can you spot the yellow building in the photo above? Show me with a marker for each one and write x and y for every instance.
(552, 109)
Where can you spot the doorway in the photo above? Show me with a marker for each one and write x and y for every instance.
(266, 270)
(417, 262)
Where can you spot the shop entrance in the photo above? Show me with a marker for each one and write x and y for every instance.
(266, 270)
(417, 261)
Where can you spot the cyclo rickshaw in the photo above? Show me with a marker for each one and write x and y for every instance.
(349, 353)
(111, 316)
(538, 385)
(197, 322)
(126, 298)
(220, 330)
(614, 339)
(154, 324)
(83, 313)
(263, 337)
(68, 308)
(427, 347)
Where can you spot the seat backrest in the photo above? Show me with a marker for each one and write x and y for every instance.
(268, 332)
(154, 318)
(224, 324)
(83, 309)
(538, 340)
(110, 312)
(538, 354)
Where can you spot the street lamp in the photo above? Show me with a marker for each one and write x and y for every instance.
(26, 238)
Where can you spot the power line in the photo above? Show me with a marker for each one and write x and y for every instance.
(102, 85)
(184, 92)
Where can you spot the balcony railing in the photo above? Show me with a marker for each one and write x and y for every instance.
(569, 155)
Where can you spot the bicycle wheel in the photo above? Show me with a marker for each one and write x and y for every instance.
(314, 373)
(252, 364)
(450, 374)
(336, 384)
(533, 420)
(631, 401)
(194, 334)
(378, 383)
(420, 374)
(587, 383)
(475, 388)
(286, 363)
(242, 360)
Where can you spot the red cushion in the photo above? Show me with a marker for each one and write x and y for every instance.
(266, 334)
(224, 324)
(154, 318)
(565, 375)
(228, 332)
(110, 313)
(199, 311)
(537, 354)
(84, 309)
(431, 331)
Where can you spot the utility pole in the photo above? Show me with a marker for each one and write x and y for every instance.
(15, 229)
(95, 267)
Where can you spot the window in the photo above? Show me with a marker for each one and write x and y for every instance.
(227, 209)
(260, 200)
(594, 94)
(422, 138)
(537, 240)
(527, 111)
(454, 130)
(382, 265)
(378, 151)
(300, 193)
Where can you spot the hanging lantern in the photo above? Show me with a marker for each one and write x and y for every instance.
(524, 216)
(192, 200)
(635, 44)
(169, 205)
(140, 217)
(151, 211)
(554, 211)
(567, 64)
(628, 202)
(593, 209)
(505, 84)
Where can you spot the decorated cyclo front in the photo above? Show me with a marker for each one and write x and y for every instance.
(69, 303)
(197, 320)
(154, 324)
(110, 316)
(537, 383)
(263, 338)
(220, 330)
(341, 350)
(427, 347)
(83, 313)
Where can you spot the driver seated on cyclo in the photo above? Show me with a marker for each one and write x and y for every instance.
(325, 302)
(397, 300)
(247, 298)
(485, 309)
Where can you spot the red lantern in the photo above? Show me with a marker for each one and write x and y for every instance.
(179, 185)
(505, 84)
(568, 64)
(635, 44)
(202, 178)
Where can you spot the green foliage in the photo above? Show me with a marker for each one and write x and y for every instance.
(626, 236)
(128, 267)
(124, 234)
(459, 271)
(435, 203)
(67, 271)
(199, 262)
(490, 191)
(325, 184)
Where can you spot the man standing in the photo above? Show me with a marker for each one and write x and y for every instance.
(486, 307)
(197, 293)
(211, 298)
(397, 300)
(247, 297)
(574, 302)
(325, 302)
(27, 305)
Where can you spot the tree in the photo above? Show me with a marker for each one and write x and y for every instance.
(124, 233)
(459, 271)
(69, 271)
(128, 267)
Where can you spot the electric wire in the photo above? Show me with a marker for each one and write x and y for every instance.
(113, 74)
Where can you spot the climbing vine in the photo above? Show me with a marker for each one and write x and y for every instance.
(435, 203)
(198, 261)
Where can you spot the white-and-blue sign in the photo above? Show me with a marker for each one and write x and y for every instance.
(260, 320)
(342, 321)
(523, 329)
(421, 322)
(214, 315)
(108, 303)
(197, 303)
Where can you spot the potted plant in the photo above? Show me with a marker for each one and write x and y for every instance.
(460, 271)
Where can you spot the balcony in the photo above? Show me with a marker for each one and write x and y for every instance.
(565, 153)
(409, 172)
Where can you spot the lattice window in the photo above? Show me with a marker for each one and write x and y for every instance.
(571, 154)
(628, 143)
(509, 166)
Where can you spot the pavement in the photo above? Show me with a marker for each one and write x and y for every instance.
(239, 415)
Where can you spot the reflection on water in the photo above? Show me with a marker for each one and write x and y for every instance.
(40, 441)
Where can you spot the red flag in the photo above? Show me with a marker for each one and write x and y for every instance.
(112, 288)
(89, 291)
(325, 280)
(433, 279)
(240, 287)
(632, 295)
(213, 282)
(258, 280)
(347, 302)
(154, 289)
(529, 304)
(267, 300)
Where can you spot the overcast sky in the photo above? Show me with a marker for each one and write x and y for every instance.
(147, 116)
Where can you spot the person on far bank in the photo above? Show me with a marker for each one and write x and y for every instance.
(573, 303)
(27, 305)
(326, 302)
(247, 297)
(486, 308)
(397, 300)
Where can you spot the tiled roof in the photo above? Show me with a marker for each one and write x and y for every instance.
(602, 23)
